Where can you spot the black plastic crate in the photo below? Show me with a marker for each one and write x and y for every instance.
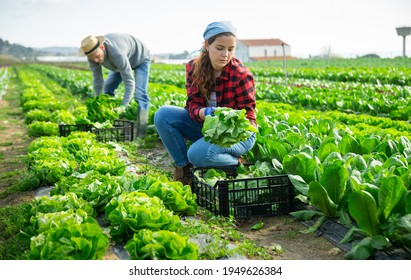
(122, 131)
(244, 198)
(66, 129)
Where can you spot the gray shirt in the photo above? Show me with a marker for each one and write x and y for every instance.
(123, 53)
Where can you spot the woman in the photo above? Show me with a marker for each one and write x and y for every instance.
(216, 78)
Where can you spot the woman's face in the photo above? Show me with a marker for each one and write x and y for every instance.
(221, 51)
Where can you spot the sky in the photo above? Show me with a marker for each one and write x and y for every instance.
(347, 28)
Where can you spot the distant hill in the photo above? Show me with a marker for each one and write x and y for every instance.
(16, 50)
(28, 53)
(58, 51)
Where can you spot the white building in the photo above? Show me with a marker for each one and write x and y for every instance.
(262, 49)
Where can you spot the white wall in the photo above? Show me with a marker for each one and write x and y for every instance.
(268, 51)
(245, 53)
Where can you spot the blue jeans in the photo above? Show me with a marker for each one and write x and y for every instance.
(175, 127)
(141, 72)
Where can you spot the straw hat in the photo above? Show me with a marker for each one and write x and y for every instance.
(90, 44)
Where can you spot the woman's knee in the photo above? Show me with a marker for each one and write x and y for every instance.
(160, 115)
(195, 155)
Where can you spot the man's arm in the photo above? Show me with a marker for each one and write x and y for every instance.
(98, 80)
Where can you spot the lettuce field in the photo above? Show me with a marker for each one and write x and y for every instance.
(339, 128)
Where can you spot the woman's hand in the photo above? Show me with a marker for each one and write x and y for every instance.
(206, 111)
(209, 111)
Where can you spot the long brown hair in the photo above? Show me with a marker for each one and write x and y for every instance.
(203, 74)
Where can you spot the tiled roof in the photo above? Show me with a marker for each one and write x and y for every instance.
(263, 42)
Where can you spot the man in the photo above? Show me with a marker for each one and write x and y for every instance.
(122, 54)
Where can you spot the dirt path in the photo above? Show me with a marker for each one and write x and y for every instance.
(13, 149)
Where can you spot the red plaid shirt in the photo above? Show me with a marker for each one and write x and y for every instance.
(234, 89)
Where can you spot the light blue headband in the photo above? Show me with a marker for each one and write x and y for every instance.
(219, 27)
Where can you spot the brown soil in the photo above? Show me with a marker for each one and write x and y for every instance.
(13, 144)
(281, 233)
